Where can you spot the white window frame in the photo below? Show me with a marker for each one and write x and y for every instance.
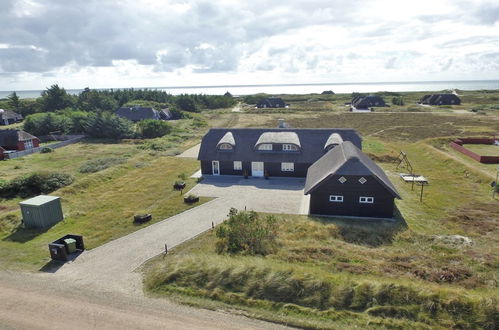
(265, 146)
(336, 198)
(238, 165)
(289, 147)
(287, 167)
(225, 146)
(28, 144)
(366, 200)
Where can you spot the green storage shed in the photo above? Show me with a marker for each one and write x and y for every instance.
(41, 211)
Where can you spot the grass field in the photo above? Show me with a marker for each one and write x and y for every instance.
(483, 149)
(100, 206)
(339, 273)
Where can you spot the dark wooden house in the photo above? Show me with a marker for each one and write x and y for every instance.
(346, 182)
(16, 140)
(8, 117)
(138, 113)
(365, 102)
(440, 99)
(258, 152)
(271, 102)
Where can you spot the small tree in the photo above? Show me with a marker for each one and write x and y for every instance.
(14, 101)
(247, 232)
(398, 100)
(151, 128)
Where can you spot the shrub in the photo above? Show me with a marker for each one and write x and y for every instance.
(46, 150)
(247, 232)
(109, 126)
(45, 123)
(398, 100)
(151, 128)
(35, 184)
(100, 164)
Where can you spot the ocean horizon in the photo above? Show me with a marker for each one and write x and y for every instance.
(304, 88)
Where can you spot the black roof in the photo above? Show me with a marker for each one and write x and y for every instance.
(10, 137)
(271, 102)
(368, 101)
(138, 113)
(311, 143)
(9, 114)
(440, 99)
(345, 159)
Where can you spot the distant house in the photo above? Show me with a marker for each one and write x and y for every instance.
(275, 152)
(366, 102)
(16, 140)
(8, 117)
(440, 99)
(346, 182)
(138, 113)
(328, 92)
(271, 102)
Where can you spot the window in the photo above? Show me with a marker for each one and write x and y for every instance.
(265, 146)
(336, 199)
(225, 146)
(362, 180)
(289, 147)
(342, 179)
(366, 200)
(287, 167)
(238, 165)
(28, 144)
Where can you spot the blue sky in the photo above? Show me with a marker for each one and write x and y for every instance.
(180, 43)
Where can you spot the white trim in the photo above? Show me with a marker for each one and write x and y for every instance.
(289, 147)
(215, 165)
(238, 165)
(257, 169)
(366, 200)
(265, 146)
(336, 198)
(287, 167)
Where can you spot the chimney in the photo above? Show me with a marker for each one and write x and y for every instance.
(282, 123)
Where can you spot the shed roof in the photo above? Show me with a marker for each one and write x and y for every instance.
(39, 200)
(345, 159)
(9, 114)
(10, 137)
(279, 137)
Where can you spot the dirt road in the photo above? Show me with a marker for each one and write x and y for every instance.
(35, 301)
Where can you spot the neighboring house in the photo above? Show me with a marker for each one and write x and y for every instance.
(346, 182)
(271, 102)
(16, 140)
(440, 99)
(266, 151)
(138, 113)
(366, 102)
(8, 117)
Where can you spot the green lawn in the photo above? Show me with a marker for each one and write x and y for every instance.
(483, 149)
(100, 206)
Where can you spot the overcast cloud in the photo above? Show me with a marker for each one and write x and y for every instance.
(170, 43)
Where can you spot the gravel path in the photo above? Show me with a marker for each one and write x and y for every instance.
(191, 152)
(34, 301)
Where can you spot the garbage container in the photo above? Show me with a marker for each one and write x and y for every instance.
(70, 244)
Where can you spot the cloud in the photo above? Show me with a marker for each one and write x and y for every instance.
(199, 38)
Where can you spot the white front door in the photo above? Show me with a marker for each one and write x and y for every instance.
(215, 167)
(256, 168)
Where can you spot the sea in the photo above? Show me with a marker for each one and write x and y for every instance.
(362, 87)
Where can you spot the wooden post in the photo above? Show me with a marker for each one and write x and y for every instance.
(166, 249)
(413, 179)
(422, 188)
(212, 225)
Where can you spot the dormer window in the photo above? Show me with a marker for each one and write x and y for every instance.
(265, 146)
(289, 147)
(227, 142)
(225, 146)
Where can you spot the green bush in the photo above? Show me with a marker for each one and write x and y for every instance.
(46, 123)
(100, 164)
(109, 126)
(151, 128)
(34, 184)
(247, 232)
(46, 150)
